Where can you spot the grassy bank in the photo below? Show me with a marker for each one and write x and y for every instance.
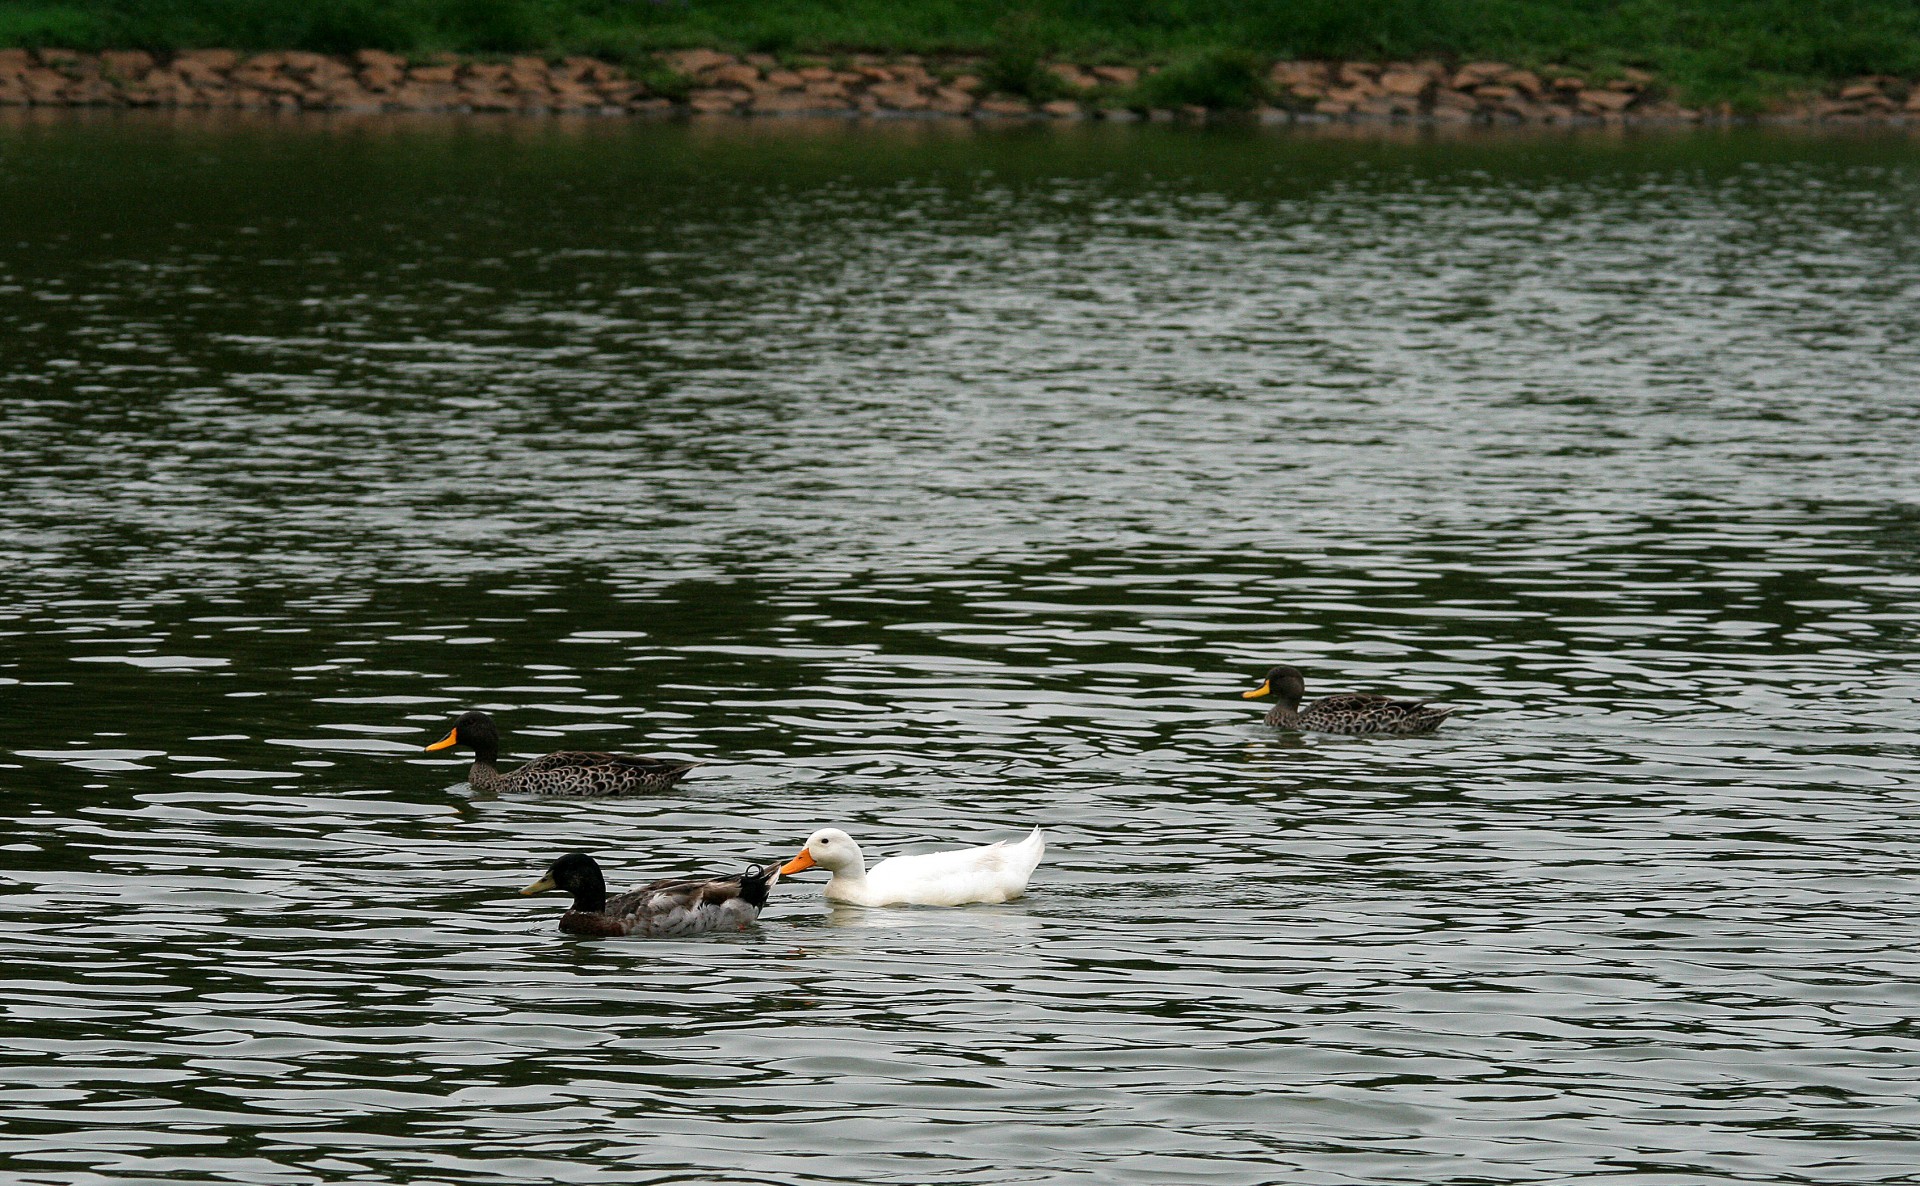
(1706, 50)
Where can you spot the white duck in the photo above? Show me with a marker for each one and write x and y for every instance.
(995, 872)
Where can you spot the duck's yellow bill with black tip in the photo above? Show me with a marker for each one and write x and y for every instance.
(1258, 692)
(541, 886)
(444, 742)
(802, 862)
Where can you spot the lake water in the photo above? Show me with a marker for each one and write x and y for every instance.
(935, 483)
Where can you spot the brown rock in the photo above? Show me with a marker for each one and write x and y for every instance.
(498, 101)
(794, 103)
(1298, 77)
(715, 99)
(1474, 73)
(127, 63)
(575, 96)
(58, 59)
(1913, 100)
(1073, 76)
(1333, 106)
(1116, 75)
(1605, 101)
(899, 96)
(1524, 81)
(950, 100)
(817, 74)
(1062, 109)
(329, 70)
(381, 80)
(91, 92)
(1003, 106)
(14, 62)
(379, 59)
(967, 82)
(786, 80)
(1494, 93)
(696, 61)
(263, 63)
(217, 60)
(1633, 74)
(1565, 82)
(1405, 84)
(43, 86)
(483, 76)
(651, 107)
(737, 74)
(423, 96)
(1860, 90)
(1357, 73)
(1624, 86)
(432, 75)
(592, 69)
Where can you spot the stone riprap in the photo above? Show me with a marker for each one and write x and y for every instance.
(708, 82)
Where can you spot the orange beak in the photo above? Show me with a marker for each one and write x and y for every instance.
(446, 741)
(803, 861)
(1258, 692)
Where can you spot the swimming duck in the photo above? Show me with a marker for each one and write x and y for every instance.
(557, 774)
(670, 909)
(1343, 712)
(994, 872)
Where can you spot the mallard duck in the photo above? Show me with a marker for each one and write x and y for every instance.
(991, 873)
(557, 774)
(1343, 712)
(668, 909)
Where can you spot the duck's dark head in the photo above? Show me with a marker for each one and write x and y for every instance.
(475, 731)
(578, 874)
(1284, 683)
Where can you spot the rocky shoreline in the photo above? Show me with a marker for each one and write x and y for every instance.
(710, 83)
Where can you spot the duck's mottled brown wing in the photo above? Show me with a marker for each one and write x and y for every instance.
(1357, 712)
(579, 772)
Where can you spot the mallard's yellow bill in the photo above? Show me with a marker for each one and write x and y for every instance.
(540, 887)
(1258, 692)
(803, 861)
(446, 741)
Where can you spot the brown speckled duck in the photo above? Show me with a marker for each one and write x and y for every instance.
(1343, 712)
(670, 909)
(557, 774)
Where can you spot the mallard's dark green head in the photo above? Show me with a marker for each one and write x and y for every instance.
(1285, 683)
(578, 874)
(475, 731)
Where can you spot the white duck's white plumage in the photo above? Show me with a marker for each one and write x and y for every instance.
(995, 872)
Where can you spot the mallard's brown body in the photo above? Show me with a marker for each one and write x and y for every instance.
(671, 909)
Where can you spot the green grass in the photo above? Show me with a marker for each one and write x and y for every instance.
(1709, 50)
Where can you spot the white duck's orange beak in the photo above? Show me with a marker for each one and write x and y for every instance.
(797, 864)
(446, 741)
(1258, 692)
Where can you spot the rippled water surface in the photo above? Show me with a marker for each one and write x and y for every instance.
(934, 484)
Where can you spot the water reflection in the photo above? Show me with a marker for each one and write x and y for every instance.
(933, 493)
